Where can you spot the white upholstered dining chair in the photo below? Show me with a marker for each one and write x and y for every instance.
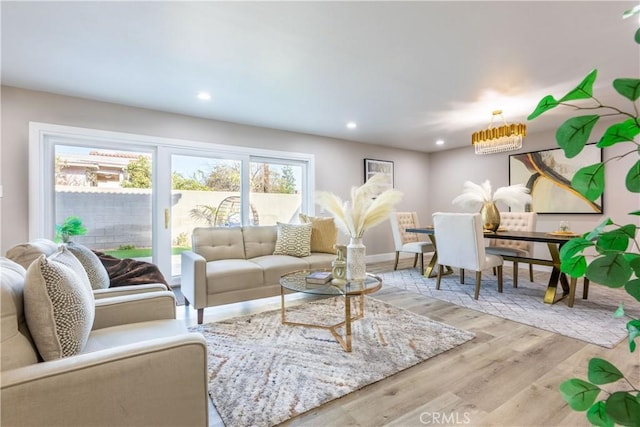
(460, 242)
(408, 242)
(513, 250)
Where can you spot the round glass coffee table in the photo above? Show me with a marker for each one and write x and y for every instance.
(296, 282)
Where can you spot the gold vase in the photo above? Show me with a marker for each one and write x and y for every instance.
(490, 216)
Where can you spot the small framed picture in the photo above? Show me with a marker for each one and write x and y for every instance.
(372, 167)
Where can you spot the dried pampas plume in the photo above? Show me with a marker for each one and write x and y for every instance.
(474, 195)
(369, 206)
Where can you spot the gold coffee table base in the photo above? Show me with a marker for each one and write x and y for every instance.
(344, 341)
(296, 282)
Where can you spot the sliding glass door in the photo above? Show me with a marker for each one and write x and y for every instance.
(205, 192)
(141, 196)
(110, 192)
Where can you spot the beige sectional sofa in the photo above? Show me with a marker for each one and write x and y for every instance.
(128, 362)
(228, 265)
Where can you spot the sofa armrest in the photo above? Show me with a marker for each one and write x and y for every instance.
(128, 290)
(134, 308)
(160, 382)
(193, 283)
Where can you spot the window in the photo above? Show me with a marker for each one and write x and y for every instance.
(276, 190)
(141, 196)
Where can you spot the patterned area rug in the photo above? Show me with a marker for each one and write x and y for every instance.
(262, 373)
(589, 320)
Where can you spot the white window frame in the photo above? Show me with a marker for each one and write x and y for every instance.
(44, 136)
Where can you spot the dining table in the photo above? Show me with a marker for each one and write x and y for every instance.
(553, 240)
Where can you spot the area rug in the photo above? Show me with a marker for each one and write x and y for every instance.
(262, 373)
(589, 320)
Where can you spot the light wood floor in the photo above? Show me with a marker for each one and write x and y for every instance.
(507, 376)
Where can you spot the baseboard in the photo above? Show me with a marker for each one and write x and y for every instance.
(388, 257)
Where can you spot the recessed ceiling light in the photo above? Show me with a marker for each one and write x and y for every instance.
(439, 142)
(204, 96)
(352, 125)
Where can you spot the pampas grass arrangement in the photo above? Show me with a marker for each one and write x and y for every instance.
(474, 195)
(370, 205)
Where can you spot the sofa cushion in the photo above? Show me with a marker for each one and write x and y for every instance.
(259, 240)
(25, 253)
(319, 260)
(16, 343)
(214, 243)
(275, 266)
(97, 273)
(293, 240)
(133, 333)
(232, 275)
(59, 308)
(324, 233)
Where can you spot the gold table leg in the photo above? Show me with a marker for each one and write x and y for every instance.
(557, 276)
(344, 341)
(429, 271)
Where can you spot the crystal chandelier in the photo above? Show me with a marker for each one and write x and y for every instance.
(498, 139)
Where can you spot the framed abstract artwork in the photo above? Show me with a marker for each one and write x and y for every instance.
(372, 167)
(547, 174)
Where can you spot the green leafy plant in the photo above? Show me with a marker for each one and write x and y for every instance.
(607, 255)
(72, 226)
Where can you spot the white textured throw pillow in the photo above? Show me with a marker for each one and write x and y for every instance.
(66, 257)
(293, 239)
(98, 276)
(59, 308)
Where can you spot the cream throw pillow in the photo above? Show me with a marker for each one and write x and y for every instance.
(293, 239)
(98, 276)
(324, 233)
(25, 253)
(59, 308)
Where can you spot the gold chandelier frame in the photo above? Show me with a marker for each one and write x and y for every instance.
(506, 137)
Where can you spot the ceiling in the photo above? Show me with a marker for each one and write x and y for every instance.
(409, 73)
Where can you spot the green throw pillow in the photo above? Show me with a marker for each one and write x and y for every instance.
(293, 239)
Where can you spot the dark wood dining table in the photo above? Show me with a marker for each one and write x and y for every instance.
(554, 243)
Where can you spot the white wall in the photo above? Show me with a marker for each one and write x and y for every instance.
(339, 163)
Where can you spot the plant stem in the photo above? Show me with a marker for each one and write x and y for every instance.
(599, 106)
(633, 388)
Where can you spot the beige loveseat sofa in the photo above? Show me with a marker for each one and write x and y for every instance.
(233, 264)
(139, 365)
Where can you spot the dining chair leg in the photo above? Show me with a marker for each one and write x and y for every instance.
(395, 266)
(530, 272)
(422, 263)
(415, 260)
(585, 288)
(440, 270)
(500, 279)
(462, 276)
(515, 274)
(478, 280)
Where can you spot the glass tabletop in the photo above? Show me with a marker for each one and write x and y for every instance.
(296, 281)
